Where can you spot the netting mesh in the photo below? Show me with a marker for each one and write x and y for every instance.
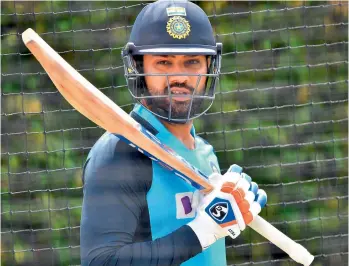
(280, 111)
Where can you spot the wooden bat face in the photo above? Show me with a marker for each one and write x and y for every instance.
(93, 104)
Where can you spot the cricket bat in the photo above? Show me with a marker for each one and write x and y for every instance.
(97, 107)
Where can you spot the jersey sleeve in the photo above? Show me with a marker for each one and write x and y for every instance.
(115, 225)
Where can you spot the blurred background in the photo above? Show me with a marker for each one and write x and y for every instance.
(281, 112)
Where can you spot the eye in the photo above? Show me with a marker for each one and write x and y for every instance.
(163, 62)
(192, 62)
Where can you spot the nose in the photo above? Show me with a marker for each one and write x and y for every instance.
(178, 69)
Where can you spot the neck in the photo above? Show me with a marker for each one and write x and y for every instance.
(181, 132)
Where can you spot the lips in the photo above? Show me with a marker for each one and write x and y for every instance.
(180, 91)
(180, 94)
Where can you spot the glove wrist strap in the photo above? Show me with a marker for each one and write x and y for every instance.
(206, 239)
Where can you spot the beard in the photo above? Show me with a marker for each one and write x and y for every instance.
(182, 110)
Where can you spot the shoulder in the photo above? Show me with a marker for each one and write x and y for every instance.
(104, 148)
(110, 148)
(206, 150)
(112, 158)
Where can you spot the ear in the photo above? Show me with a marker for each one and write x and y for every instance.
(208, 60)
(138, 62)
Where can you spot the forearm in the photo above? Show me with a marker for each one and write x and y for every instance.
(173, 249)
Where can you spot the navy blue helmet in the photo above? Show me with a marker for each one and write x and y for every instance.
(172, 27)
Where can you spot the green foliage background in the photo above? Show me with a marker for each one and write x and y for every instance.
(280, 111)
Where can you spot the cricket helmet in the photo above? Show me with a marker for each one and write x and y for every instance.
(172, 27)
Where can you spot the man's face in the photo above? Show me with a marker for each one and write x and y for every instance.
(182, 88)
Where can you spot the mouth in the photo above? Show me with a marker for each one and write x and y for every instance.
(180, 94)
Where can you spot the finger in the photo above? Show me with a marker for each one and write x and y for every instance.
(244, 184)
(255, 209)
(245, 204)
(238, 194)
(261, 198)
(241, 189)
(228, 187)
(250, 197)
(256, 206)
(231, 177)
(235, 169)
(254, 187)
(247, 177)
(233, 189)
(248, 217)
(230, 180)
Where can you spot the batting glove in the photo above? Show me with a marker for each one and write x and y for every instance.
(226, 211)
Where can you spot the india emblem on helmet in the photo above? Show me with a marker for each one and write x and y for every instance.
(178, 27)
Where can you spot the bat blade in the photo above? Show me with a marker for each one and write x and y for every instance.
(97, 107)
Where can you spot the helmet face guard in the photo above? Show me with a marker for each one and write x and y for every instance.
(199, 100)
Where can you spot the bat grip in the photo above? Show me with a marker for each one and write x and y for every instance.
(296, 251)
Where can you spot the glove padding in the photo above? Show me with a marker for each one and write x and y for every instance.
(233, 203)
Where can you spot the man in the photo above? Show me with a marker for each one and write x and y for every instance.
(136, 212)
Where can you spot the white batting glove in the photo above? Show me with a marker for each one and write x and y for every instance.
(233, 203)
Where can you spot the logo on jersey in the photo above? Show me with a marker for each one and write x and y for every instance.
(184, 209)
(219, 211)
(178, 27)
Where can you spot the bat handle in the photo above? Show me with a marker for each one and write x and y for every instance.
(296, 251)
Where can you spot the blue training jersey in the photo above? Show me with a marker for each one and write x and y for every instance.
(135, 211)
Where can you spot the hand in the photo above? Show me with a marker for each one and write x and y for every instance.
(233, 203)
(250, 200)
